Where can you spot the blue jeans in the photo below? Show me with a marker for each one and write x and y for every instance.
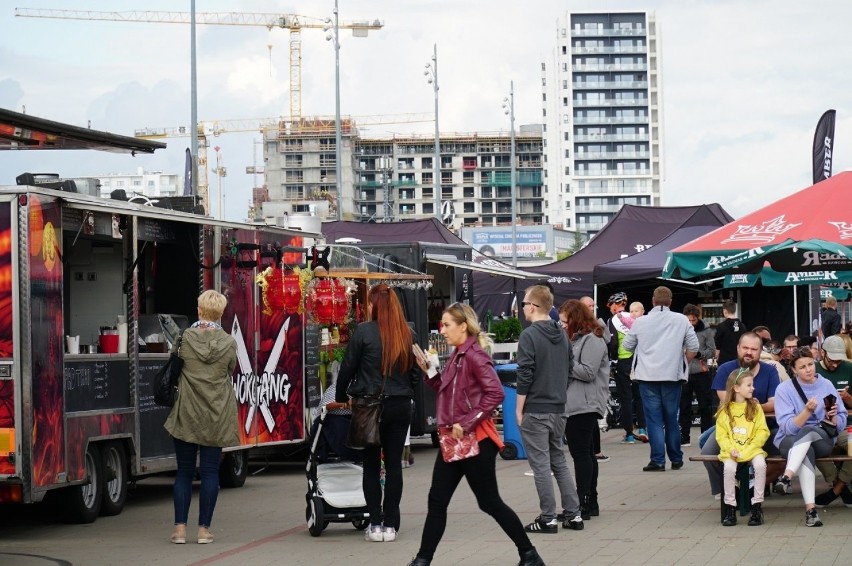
(661, 400)
(208, 469)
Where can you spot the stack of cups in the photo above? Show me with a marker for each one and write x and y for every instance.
(121, 324)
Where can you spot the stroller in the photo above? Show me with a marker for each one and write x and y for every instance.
(334, 488)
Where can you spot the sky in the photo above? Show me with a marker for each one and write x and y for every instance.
(744, 81)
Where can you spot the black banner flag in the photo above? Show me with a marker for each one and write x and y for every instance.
(187, 175)
(823, 146)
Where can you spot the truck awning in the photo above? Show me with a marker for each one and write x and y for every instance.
(489, 266)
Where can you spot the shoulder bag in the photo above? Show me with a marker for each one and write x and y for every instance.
(366, 419)
(166, 380)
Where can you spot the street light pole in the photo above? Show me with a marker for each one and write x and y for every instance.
(338, 137)
(509, 108)
(432, 73)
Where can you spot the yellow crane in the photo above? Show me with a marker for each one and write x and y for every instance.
(318, 125)
(292, 22)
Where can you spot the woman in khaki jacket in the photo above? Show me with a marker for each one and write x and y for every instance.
(204, 417)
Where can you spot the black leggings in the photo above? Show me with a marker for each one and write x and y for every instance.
(580, 432)
(481, 476)
(396, 418)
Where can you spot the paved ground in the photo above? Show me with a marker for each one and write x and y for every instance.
(646, 518)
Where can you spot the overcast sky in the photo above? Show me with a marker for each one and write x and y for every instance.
(744, 82)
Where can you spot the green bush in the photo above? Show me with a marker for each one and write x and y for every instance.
(506, 330)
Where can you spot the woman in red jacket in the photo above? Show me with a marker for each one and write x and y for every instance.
(468, 391)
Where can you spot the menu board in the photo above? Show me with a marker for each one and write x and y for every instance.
(154, 439)
(312, 344)
(313, 387)
(92, 385)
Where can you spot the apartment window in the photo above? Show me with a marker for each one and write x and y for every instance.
(542, 66)
(468, 192)
(566, 118)
(564, 67)
(567, 153)
(469, 208)
(137, 182)
(544, 97)
(565, 50)
(564, 101)
(566, 136)
(567, 170)
(428, 208)
(564, 85)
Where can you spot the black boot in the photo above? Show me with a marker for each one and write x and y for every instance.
(594, 509)
(585, 511)
(756, 515)
(730, 518)
(530, 558)
(419, 562)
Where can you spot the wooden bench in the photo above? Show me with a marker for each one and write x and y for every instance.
(743, 491)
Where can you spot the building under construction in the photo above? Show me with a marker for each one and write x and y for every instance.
(386, 179)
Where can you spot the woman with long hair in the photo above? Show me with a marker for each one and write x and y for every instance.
(809, 418)
(468, 390)
(588, 389)
(379, 361)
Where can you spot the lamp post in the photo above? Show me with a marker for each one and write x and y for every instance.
(431, 73)
(509, 108)
(334, 34)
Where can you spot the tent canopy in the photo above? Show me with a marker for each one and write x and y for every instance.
(806, 231)
(649, 263)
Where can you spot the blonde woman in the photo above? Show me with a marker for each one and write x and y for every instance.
(204, 417)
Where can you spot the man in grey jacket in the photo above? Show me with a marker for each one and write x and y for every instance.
(663, 343)
(544, 367)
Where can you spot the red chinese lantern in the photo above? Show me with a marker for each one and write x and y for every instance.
(341, 304)
(322, 302)
(292, 290)
(275, 292)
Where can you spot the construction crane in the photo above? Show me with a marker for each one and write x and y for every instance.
(318, 125)
(292, 22)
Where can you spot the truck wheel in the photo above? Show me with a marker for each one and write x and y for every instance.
(114, 476)
(82, 503)
(234, 469)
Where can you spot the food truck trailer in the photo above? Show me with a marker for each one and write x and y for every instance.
(92, 293)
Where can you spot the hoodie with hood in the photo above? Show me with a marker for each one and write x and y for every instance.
(205, 411)
(545, 362)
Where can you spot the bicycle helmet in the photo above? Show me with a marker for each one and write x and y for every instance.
(617, 299)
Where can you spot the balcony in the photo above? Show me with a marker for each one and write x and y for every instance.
(611, 173)
(524, 178)
(610, 67)
(591, 155)
(405, 183)
(601, 32)
(369, 184)
(609, 102)
(579, 85)
(469, 164)
(611, 137)
(607, 208)
(609, 49)
(610, 120)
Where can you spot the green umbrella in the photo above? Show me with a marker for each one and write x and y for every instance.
(771, 278)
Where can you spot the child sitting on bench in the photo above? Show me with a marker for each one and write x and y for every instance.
(741, 432)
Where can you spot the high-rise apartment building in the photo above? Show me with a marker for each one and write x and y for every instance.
(147, 183)
(602, 106)
(388, 179)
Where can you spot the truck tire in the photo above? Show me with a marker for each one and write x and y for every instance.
(82, 503)
(234, 469)
(114, 476)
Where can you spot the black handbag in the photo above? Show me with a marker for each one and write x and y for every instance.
(364, 426)
(166, 380)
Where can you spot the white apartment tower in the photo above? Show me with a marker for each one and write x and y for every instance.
(602, 106)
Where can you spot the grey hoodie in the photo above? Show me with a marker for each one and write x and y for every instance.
(545, 361)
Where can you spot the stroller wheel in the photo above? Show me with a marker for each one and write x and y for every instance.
(361, 524)
(314, 517)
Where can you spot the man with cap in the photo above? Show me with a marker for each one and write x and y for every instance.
(835, 366)
(619, 325)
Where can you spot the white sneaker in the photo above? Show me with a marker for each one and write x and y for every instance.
(374, 534)
(388, 534)
(718, 497)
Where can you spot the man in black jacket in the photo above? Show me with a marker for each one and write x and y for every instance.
(831, 322)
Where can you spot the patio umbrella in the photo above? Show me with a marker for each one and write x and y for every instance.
(771, 278)
(807, 231)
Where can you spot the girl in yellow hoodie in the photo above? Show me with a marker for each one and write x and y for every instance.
(741, 432)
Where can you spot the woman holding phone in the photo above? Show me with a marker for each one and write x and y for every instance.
(809, 418)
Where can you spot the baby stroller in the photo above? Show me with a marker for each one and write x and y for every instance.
(334, 488)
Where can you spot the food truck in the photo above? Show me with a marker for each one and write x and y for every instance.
(93, 292)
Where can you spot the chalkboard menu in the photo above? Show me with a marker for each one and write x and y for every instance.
(312, 344)
(153, 437)
(313, 388)
(155, 230)
(92, 385)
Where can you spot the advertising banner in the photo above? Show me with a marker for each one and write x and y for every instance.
(530, 243)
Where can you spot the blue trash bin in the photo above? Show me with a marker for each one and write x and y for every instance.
(514, 448)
